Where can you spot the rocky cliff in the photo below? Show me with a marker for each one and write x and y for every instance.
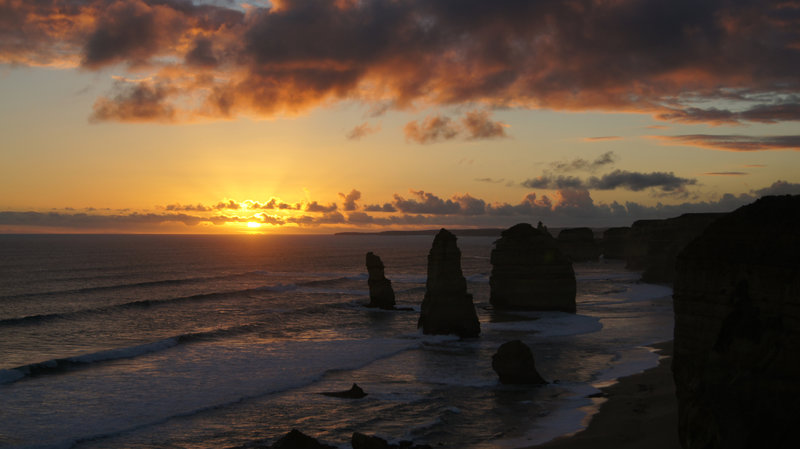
(614, 242)
(737, 330)
(653, 245)
(530, 272)
(381, 293)
(579, 244)
(447, 307)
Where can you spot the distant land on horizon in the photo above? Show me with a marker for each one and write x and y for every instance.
(467, 232)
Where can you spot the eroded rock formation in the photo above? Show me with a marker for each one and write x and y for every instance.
(381, 293)
(362, 441)
(614, 242)
(355, 392)
(514, 364)
(579, 244)
(298, 440)
(530, 272)
(447, 307)
(653, 245)
(737, 330)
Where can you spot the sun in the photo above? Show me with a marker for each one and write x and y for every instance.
(253, 224)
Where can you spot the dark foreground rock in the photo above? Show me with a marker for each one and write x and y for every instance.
(447, 307)
(530, 272)
(579, 244)
(737, 330)
(381, 293)
(614, 242)
(298, 440)
(653, 245)
(514, 363)
(362, 441)
(355, 392)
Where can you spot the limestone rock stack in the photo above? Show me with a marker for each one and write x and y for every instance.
(381, 293)
(447, 307)
(579, 244)
(737, 329)
(654, 244)
(530, 272)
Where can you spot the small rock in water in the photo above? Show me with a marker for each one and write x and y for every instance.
(298, 440)
(513, 362)
(355, 392)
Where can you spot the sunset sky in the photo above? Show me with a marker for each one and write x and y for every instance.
(314, 116)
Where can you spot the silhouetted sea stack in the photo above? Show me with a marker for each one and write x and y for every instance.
(514, 363)
(362, 441)
(653, 245)
(614, 242)
(447, 307)
(298, 440)
(381, 293)
(737, 329)
(530, 272)
(579, 244)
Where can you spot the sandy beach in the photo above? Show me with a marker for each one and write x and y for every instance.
(640, 412)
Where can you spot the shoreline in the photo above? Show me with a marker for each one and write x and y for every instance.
(640, 410)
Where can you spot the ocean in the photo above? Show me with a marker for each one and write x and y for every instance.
(138, 341)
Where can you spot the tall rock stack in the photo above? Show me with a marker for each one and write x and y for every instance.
(654, 244)
(737, 330)
(579, 244)
(447, 307)
(530, 272)
(381, 293)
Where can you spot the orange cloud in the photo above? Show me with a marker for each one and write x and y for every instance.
(212, 61)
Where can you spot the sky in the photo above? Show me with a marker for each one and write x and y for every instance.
(313, 116)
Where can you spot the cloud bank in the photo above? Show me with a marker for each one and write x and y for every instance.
(216, 60)
(564, 207)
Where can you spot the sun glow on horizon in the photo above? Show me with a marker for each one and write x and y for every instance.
(253, 224)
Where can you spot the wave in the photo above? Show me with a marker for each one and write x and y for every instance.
(36, 319)
(145, 284)
(61, 365)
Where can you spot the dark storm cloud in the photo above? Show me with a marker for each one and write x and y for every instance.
(651, 56)
(554, 182)
(635, 181)
(763, 113)
(735, 142)
(617, 179)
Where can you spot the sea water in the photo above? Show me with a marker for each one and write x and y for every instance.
(225, 341)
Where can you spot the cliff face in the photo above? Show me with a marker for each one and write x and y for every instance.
(653, 245)
(381, 293)
(530, 272)
(579, 244)
(737, 330)
(614, 242)
(447, 307)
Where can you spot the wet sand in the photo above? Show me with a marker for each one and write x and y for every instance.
(640, 412)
